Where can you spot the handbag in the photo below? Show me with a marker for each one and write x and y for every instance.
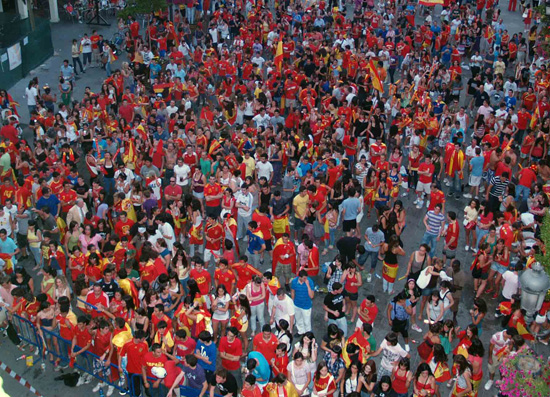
(423, 278)
(318, 229)
(424, 350)
(525, 14)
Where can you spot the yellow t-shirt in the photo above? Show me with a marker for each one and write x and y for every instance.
(250, 166)
(300, 203)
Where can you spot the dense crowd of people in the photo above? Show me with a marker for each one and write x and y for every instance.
(247, 160)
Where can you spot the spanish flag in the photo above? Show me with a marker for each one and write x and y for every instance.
(521, 326)
(278, 61)
(140, 129)
(376, 83)
(535, 118)
(159, 88)
(430, 3)
(120, 337)
(130, 155)
(207, 114)
(215, 145)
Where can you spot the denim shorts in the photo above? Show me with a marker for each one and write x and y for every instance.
(428, 291)
(497, 267)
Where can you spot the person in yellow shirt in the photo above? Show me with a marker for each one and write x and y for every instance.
(299, 204)
(250, 164)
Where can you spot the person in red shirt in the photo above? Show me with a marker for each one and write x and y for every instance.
(214, 235)
(250, 389)
(158, 316)
(425, 178)
(367, 311)
(213, 197)
(97, 300)
(334, 172)
(173, 192)
(101, 347)
(67, 197)
(266, 343)
(9, 131)
(436, 197)
(147, 269)
(134, 351)
(279, 363)
(527, 177)
(123, 226)
(202, 277)
(183, 344)
(451, 237)
(244, 272)
(82, 341)
(224, 276)
(265, 225)
(150, 360)
(231, 351)
(7, 191)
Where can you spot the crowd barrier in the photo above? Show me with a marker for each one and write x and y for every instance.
(50, 342)
(28, 333)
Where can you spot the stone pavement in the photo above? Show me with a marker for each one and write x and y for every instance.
(63, 33)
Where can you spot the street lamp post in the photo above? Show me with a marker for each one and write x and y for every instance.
(534, 286)
(547, 4)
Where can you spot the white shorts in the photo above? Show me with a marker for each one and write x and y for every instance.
(474, 181)
(208, 253)
(424, 187)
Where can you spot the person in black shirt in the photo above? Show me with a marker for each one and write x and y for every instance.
(481, 96)
(347, 246)
(335, 306)
(108, 285)
(225, 382)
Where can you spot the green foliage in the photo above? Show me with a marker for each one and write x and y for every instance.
(524, 374)
(135, 7)
(544, 31)
(545, 237)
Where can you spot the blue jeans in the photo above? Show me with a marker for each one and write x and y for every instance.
(373, 255)
(332, 236)
(109, 186)
(523, 192)
(480, 233)
(342, 323)
(431, 240)
(456, 188)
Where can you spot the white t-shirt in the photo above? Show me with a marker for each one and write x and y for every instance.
(182, 174)
(5, 223)
(246, 200)
(511, 284)
(222, 303)
(264, 169)
(86, 45)
(390, 354)
(31, 95)
(283, 308)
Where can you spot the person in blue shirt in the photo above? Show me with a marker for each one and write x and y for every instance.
(510, 100)
(476, 171)
(154, 69)
(302, 292)
(8, 246)
(49, 200)
(206, 352)
(258, 366)
(256, 244)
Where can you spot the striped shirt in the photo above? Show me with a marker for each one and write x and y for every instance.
(498, 186)
(434, 222)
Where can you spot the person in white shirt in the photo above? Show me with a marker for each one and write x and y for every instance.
(31, 93)
(262, 119)
(258, 60)
(498, 342)
(283, 309)
(182, 171)
(6, 222)
(172, 67)
(243, 202)
(130, 176)
(213, 31)
(86, 44)
(172, 108)
(264, 168)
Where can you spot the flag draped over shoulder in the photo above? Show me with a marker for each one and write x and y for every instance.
(376, 83)
(278, 61)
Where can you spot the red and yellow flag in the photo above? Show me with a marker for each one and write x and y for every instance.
(376, 83)
(535, 118)
(278, 61)
(430, 3)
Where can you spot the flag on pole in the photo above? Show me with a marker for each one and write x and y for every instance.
(279, 56)
(376, 83)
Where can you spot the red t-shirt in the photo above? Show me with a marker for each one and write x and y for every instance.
(235, 348)
(372, 310)
(203, 279)
(214, 232)
(267, 348)
(172, 372)
(452, 232)
(102, 342)
(135, 353)
(83, 337)
(123, 228)
(102, 299)
(245, 274)
(423, 168)
(436, 197)
(527, 177)
(213, 190)
(183, 348)
(149, 361)
(226, 278)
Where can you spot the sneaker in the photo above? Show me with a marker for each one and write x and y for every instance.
(489, 384)
(415, 201)
(98, 386)
(420, 204)
(369, 278)
(80, 381)
(407, 348)
(416, 328)
(466, 248)
(467, 195)
(476, 197)
(110, 391)
(405, 194)
(378, 276)
(474, 250)
(88, 378)
(428, 204)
